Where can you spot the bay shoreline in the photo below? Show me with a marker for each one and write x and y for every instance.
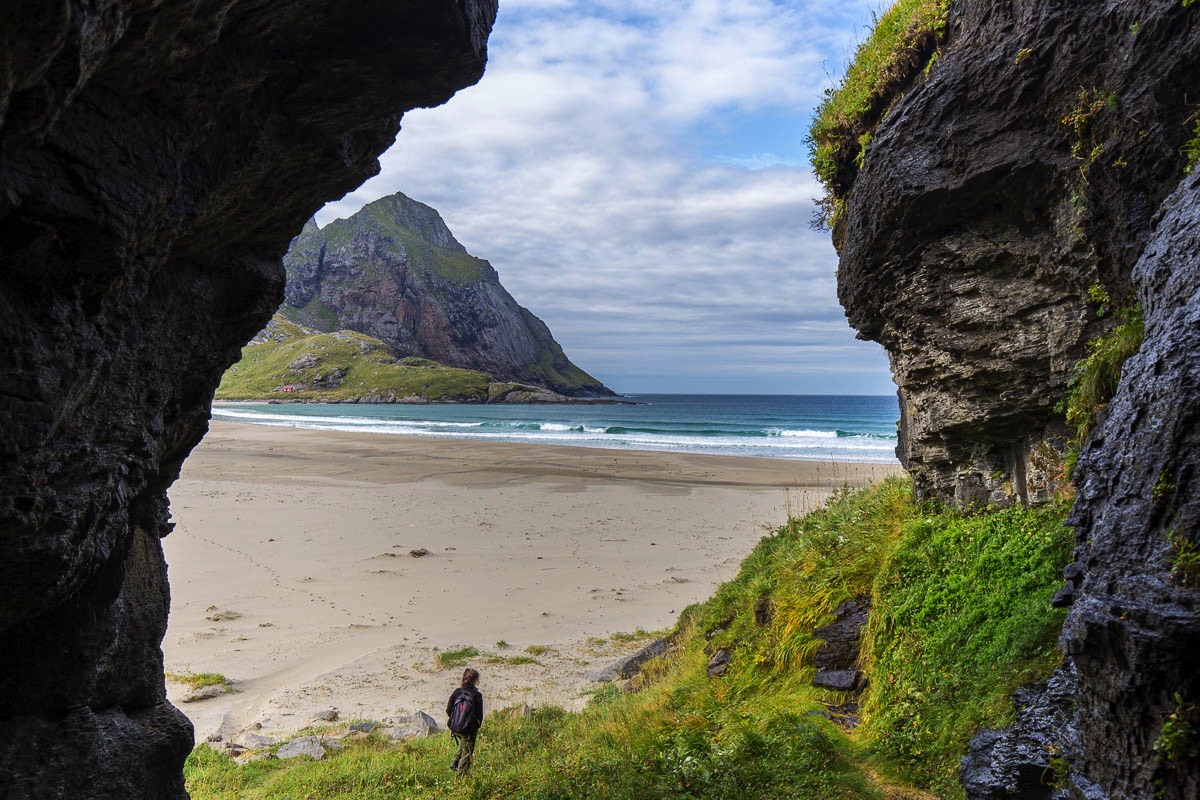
(321, 569)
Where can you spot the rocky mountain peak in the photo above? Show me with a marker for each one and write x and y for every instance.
(398, 214)
(394, 271)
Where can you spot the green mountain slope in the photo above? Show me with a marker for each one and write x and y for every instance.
(291, 362)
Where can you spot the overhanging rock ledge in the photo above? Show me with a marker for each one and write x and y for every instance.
(155, 160)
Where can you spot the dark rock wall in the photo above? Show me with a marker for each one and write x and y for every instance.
(1040, 155)
(1023, 169)
(155, 160)
(1134, 629)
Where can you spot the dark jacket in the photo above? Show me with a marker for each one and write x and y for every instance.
(478, 697)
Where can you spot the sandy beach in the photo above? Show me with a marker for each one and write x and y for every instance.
(319, 570)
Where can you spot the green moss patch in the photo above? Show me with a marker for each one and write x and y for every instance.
(198, 680)
(1096, 376)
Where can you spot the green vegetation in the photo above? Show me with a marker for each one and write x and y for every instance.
(455, 657)
(1177, 739)
(1081, 122)
(398, 218)
(1191, 150)
(198, 680)
(1097, 374)
(961, 617)
(639, 635)
(902, 45)
(315, 314)
(299, 365)
(1184, 560)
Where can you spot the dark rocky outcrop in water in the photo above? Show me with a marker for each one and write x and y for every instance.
(1043, 153)
(155, 161)
(394, 271)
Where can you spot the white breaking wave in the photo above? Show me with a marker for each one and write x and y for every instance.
(804, 444)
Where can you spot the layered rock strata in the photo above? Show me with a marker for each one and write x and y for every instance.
(155, 161)
(1021, 169)
(394, 271)
(1044, 152)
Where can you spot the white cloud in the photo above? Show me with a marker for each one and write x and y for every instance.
(574, 168)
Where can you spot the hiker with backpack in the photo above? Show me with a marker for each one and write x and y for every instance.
(464, 715)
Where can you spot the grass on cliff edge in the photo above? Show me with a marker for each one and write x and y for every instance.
(961, 617)
(902, 43)
(367, 366)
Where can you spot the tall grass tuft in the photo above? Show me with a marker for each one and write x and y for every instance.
(1097, 375)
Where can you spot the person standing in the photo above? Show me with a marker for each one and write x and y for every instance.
(464, 715)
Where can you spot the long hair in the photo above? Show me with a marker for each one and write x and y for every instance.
(470, 677)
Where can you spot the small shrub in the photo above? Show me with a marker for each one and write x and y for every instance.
(1097, 374)
(1162, 489)
(1184, 561)
(1177, 739)
(455, 657)
(198, 680)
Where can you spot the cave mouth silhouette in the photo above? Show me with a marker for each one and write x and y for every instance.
(155, 161)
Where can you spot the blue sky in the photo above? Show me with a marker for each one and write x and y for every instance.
(636, 171)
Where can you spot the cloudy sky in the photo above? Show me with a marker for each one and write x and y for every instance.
(636, 171)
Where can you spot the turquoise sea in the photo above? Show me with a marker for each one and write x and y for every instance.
(811, 427)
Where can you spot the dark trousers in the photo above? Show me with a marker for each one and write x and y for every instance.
(466, 752)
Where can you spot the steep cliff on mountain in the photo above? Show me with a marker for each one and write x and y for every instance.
(395, 272)
(155, 161)
(289, 362)
(1040, 154)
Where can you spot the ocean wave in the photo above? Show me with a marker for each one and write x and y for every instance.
(323, 420)
(769, 438)
(806, 434)
(886, 437)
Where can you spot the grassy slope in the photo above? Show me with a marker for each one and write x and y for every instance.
(961, 617)
(369, 364)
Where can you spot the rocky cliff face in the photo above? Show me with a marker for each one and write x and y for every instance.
(1041, 154)
(394, 271)
(155, 161)
(1024, 167)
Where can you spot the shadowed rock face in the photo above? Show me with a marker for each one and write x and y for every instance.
(1041, 155)
(155, 161)
(1024, 169)
(1134, 629)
